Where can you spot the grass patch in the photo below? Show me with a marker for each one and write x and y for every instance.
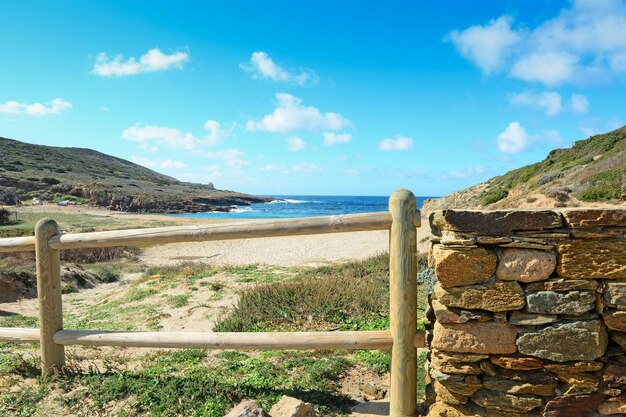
(354, 296)
(178, 301)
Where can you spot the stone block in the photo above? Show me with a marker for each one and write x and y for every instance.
(592, 258)
(573, 405)
(457, 267)
(474, 337)
(494, 295)
(590, 218)
(615, 320)
(614, 375)
(579, 340)
(518, 388)
(562, 302)
(613, 406)
(496, 400)
(615, 294)
(445, 314)
(494, 222)
(519, 318)
(560, 284)
(520, 363)
(292, 407)
(525, 265)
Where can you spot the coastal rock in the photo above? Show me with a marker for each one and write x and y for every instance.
(525, 265)
(567, 302)
(492, 296)
(590, 218)
(573, 405)
(494, 222)
(519, 318)
(519, 363)
(474, 337)
(8, 196)
(592, 258)
(615, 320)
(445, 314)
(586, 340)
(615, 294)
(505, 402)
(246, 408)
(292, 407)
(463, 267)
(560, 284)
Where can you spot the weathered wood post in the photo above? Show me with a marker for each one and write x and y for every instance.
(49, 295)
(403, 304)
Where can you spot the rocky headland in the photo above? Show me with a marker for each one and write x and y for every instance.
(85, 176)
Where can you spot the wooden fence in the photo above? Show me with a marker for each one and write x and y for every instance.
(402, 337)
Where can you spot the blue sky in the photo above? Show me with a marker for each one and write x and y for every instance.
(324, 97)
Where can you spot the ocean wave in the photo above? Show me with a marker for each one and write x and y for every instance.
(240, 210)
(288, 201)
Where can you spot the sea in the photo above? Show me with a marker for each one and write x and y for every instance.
(294, 206)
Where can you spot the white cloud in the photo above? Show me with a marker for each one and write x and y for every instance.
(584, 42)
(296, 144)
(468, 172)
(291, 115)
(151, 61)
(262, 66)
(487, 46)
(398, 143)
(549, 68)
(35, 109)
(233, 157)
(579, 103)
(331, 139)
(271, 167)
(149, 163)
(514, 139)
(307, 168)
(549, 101)
(173, 138)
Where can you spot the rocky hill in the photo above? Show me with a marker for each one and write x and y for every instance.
(592, 172)
(88, 176)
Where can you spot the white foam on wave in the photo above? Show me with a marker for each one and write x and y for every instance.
(241, 210)
(288, 201)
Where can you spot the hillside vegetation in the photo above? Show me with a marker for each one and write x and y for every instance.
(593, 171)
(85, 175)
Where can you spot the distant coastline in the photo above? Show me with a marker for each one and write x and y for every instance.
(296, 206)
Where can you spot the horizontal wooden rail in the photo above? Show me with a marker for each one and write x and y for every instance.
(379, 339)
(17, 244)
(19, 335)
(224, 231)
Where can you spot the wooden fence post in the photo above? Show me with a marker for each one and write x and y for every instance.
(49, 295)
(403, 304)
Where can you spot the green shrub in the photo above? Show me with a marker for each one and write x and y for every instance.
(50, 180)
(492, 196)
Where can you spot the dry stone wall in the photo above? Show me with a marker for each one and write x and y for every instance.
(528, 315)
